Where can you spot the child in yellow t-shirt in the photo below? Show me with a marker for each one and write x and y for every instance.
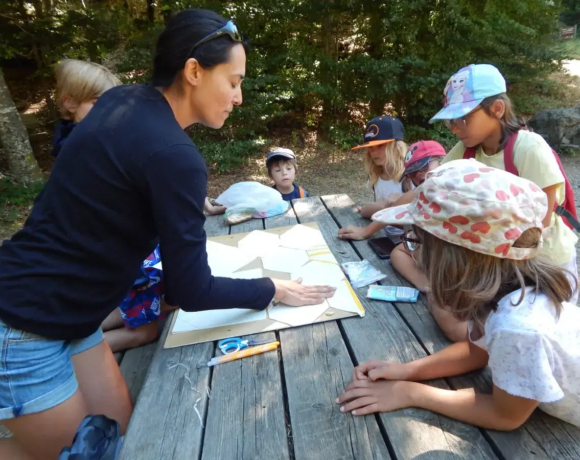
(480, 114)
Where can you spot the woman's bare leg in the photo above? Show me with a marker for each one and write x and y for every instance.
(102, 385)
(42, 436)
(102, 390)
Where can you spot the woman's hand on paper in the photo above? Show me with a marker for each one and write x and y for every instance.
(295, 294)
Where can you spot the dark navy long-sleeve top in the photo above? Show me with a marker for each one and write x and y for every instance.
(127, 177)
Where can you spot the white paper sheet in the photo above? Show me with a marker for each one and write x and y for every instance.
(297, 316)
(320, 274)
(276, 326)
(191, 321)
(285, 260)
(343, 299)
(224, 260)
(248, 274)
(301, 237)
(322, 254)
(259, 243)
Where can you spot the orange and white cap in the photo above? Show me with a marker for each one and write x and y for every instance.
(382, 130)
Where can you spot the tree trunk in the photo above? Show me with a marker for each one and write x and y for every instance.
(151, 11)
(14, 139)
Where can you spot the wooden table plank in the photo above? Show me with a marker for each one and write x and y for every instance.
(246, 418)
(383, 334)
(317, 367)
(543, 437)
(283, 220)
(164, 423)
(135, 366)
(341, 207)
(246, 410)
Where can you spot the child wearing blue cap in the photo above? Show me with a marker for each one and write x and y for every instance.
(385, 163)
(480, 114)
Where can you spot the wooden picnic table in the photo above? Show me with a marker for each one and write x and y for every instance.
(282, 405)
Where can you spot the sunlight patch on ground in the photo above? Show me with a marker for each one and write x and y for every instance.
(35, 107)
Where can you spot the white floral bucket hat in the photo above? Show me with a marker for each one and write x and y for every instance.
(469, 204)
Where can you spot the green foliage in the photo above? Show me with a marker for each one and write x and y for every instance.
(570, 49)
(14, 197)
(315, 66)
(570, 12)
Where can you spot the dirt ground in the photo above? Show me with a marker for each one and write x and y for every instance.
(319, 173)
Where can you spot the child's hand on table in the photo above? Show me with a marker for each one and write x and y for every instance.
(353, 233)
(376, 369)
(363, 397)
(295, 294)
(377, 386)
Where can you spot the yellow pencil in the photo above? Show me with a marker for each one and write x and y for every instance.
(244, 353)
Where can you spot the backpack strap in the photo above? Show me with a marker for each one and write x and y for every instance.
(469, 153)
(508, 154)
(301, 190)
(562, 211)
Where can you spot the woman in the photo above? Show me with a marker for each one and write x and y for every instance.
(127, 176)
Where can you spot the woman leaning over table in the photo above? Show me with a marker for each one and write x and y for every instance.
(128, 176)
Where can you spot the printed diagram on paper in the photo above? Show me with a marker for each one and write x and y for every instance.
(299, 252)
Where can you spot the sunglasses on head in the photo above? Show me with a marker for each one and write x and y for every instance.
(229, 29)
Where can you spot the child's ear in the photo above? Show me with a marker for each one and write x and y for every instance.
(69, 104)
(498, 109)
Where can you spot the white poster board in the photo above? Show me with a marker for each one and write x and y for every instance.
(299, 251)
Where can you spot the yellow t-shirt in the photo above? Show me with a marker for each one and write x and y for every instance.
(535, 161)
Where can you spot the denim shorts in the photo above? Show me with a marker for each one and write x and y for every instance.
(36, 373)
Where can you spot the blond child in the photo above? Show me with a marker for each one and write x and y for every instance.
(78, 86)
(477, 232)
(422, 157)
(384, 163)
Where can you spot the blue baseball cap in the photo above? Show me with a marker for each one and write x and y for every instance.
(468, 88)
(382, 130)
